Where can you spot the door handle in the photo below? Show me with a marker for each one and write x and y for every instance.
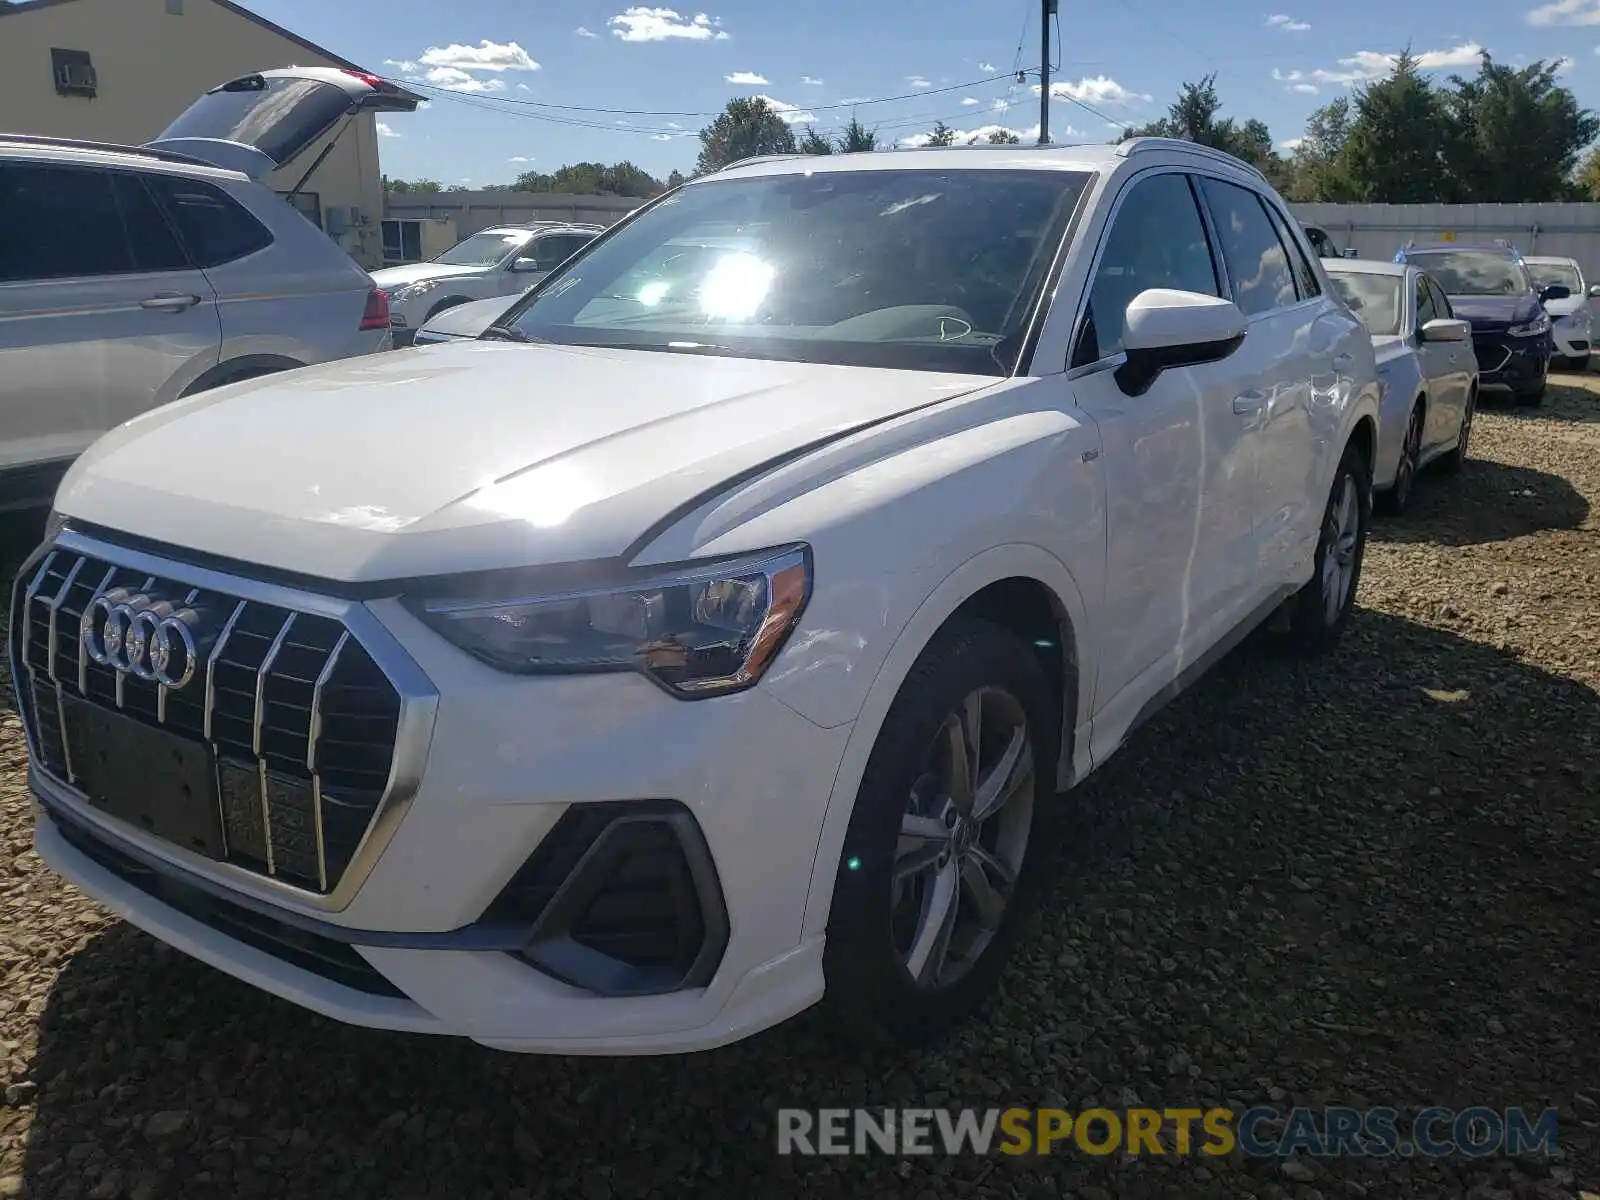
(170, 301)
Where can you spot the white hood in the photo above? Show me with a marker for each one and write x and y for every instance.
(397, 277)
(381, 467)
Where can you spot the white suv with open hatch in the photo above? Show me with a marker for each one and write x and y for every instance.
(727, 625)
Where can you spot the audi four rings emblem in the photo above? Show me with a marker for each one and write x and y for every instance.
(142, 635)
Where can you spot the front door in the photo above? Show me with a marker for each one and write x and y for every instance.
(1178, 463)
(101, 315)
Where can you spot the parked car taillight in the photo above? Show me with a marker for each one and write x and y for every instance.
(377, 314)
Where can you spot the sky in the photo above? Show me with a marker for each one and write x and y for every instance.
(517, 86)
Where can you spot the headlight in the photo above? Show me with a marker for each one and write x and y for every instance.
(703, 630)
(412, 290)
(1534, 328)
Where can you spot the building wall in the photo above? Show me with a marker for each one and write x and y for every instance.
(152, 62)
(1378, 230)
(473, 211)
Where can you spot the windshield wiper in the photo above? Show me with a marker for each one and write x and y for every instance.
(504, 333)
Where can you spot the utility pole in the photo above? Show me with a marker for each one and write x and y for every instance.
(1049, 10)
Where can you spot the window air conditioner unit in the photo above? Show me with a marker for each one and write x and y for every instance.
(77, 76)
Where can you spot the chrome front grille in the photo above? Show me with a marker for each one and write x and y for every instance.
(1492, 356)
(301, 720)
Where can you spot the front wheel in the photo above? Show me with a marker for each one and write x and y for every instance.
(1320, 610)
(943, 856)
(1452, 462)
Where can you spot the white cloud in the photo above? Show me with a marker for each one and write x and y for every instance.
(919, 81)
(746, 77)
(809, 81)
(1305, 89)
(457, 80)
(868, 99)
(661, 137)
(585, 32)
(1365, 66)
(1099, 90)
(1291, 145)
(789, 114)
(1287, 23)
(485, 56)
(987, 68)
(969, 102)
(384, 130)
(664, 24)
(1564, 64)
(1566, 12)
(520, 158)
(522, 87)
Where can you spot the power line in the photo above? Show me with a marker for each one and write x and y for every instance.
(645, 112)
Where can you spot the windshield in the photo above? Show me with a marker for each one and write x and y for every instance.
(278, 116)
(1474, 272)
(1373, 298)
(1545, 274)
(485, 249)
(913, 269)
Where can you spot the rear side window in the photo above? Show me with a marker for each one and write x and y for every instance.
(60, 223)
(1305, 275)
(155, 247)
(215, 227)
(1258, 264)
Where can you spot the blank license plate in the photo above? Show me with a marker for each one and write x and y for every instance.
(161, 782)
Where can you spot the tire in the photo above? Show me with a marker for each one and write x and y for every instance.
(1394, 500)
(1316, 622)
(1452, 462)
(1533, 399)
(879, 927)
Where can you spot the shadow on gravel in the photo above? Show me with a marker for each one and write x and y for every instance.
(1367, 879)
(1487, 502)
(1566, 401)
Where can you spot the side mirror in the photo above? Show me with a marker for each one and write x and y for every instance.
(525, 265)
(1165, 328)
(1348, 252)
(1443, 330)
(1594, 291)
(1556, 291)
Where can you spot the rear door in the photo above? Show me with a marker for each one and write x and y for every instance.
(102, 316)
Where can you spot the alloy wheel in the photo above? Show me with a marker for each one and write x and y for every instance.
(963, 838)
(1341, 536)
(1405, 473)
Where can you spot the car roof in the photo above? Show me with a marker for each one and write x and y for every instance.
(1365, 266)
(1101, 157)
(111, 154)
(1550, 259)
(1479, 247)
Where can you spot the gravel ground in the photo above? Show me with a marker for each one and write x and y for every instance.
(1368, 880)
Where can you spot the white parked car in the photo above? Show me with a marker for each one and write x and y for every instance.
(498, 262)
(134, 275)
(1428, 369)
(463, 321)
(627, 680)
(1571, 319)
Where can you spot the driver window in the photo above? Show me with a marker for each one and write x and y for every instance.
(1157, 240)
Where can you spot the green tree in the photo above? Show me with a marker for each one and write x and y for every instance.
(1587, 180)
(746, 128)
(1394, 153)
(1318, 170)
(1004, 137)
(1515, 135)
(857, 138)
(406, 187)
(942, 135)
(812, 142)
(593, 179)
(676, 179)
(1195, 116)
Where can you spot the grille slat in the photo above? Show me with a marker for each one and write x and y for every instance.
(301, 720)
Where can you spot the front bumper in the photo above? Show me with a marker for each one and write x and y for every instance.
(1571, 340)
(421, 941)
(1513, 364)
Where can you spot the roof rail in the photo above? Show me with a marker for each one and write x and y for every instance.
(1143, 145)
(34, 139)
(759, 158)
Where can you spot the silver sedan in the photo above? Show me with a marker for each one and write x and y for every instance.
(1426, 364)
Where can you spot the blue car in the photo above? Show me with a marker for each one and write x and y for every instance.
(1490, 286)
